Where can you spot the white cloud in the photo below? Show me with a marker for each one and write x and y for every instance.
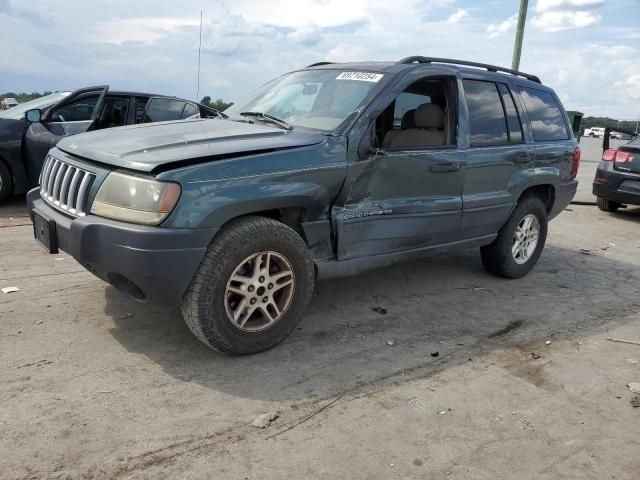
(145, 29)
(630, 87)
(547, 5)
(508, 25)
(556, 21)
(308, 35)
(459, 15)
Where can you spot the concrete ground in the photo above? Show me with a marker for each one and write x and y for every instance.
(466, 376)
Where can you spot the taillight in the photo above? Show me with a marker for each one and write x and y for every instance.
(616, 156)
(576, 163)
(622, 157)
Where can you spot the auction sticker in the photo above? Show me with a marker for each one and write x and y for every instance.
(360, 76)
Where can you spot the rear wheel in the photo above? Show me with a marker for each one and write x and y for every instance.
(520, 241)
(607, 205)
(251, 288)
(5, 182)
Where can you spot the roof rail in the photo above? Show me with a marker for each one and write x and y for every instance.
(317, 64)
(490, 68)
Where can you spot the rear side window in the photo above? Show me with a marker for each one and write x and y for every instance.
(545, 115)
(513, 119)
(189, 110)
(164, 109)
(487, 122)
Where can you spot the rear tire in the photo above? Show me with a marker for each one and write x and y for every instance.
(6, 184)
(257, 311)
(499, 258)
(607, 205)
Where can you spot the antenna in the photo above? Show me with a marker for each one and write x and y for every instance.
(199, 48)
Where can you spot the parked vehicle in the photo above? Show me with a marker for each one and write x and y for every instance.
(29, 130)
(596, 132)
(7, 103)
(312, 175)
(617, 181)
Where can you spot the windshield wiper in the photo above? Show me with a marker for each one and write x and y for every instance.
(268, 118)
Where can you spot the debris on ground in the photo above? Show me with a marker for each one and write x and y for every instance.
(415, 403)
(635, 401)
(264, 420)
(391, 343)
(620, 340)
(10, 289)
(535, 355)
(585, 251)
(633, 361)
(548, 342)
(444, 412)
(480, 289)
(634, 387)
(435, 354)
(380, 310)
(125, 316)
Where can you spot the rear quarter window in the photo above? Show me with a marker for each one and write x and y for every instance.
(546, 117)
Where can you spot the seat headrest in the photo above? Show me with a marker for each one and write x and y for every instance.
(408, 119)
(429, 115)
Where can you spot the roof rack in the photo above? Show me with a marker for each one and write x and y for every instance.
(490, 68)
(317, 64)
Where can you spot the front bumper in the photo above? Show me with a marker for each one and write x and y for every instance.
(152, 264)
(617, 186)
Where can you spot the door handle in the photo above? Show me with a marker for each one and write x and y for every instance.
(445, 167)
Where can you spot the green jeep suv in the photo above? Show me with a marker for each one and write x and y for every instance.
(326, 171)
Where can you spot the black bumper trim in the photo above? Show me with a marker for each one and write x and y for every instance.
(160, 261)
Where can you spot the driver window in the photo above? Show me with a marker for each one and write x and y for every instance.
(418, 117)
(79, 110)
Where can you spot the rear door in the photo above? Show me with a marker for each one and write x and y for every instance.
(75, 114)
(550, 132)
(496, 155)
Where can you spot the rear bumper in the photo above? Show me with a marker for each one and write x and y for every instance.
(145, 263)
(564, 194)
(617, 186)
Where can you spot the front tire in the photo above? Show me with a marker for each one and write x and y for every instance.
(607, 205)
(520, 241)
(252, 287)
(6, 185)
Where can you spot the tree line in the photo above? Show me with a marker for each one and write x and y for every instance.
(218, 104)
(588, 122)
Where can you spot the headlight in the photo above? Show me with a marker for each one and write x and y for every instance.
(135, 199)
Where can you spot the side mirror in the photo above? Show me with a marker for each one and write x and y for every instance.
(33, 116)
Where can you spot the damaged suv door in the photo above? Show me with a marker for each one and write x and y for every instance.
(405, 190)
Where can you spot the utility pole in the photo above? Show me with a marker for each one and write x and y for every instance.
(199, 48)
(517, 47)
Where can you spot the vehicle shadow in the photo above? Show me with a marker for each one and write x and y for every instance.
(445, 305)
(631, 213)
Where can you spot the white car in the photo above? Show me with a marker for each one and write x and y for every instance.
(597, 132)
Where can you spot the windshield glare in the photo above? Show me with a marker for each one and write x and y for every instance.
(17, 112)
(316, 99)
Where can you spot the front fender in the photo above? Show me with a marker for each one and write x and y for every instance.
(309, 178)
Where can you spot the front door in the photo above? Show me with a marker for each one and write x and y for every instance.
(405, 195)
(75, 114)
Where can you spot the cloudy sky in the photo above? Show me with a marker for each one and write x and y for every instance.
(588, 50)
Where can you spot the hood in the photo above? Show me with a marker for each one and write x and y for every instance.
(148, 147)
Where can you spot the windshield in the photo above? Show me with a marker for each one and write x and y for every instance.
(17, 112)
(316, 99)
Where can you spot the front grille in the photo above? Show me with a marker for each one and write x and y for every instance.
(65, 186)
